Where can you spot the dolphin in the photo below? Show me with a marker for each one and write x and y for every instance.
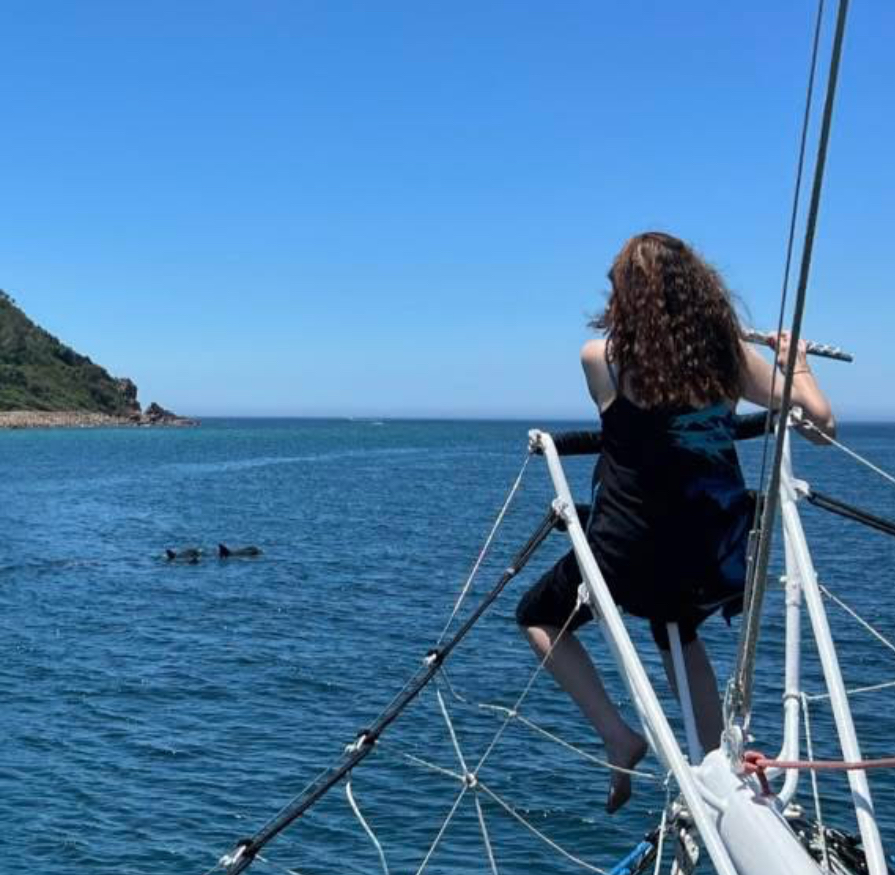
(225, 552)
(190, 555)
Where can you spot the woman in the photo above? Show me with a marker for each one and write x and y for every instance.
(671, 517)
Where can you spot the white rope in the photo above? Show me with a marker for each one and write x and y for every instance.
(854, 691)
(231, 859)
(526, 689)
(279, 866)
(660, 846)
(450, 726)
(514, 715)
(470, 780)
(453, 690)
(663, 825)
(809, 745)
(506, 806)
(856, 616)
(441, 831)
(485, 837)
(365, 825)
(484, 551)
(421, 762)
(544, 838)
(810, 426)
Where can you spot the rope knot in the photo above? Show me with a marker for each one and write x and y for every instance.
(243, 846)
(433, 657)
(470, 780)
(363, 738)
(755, 763)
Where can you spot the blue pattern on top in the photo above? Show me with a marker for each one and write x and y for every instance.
(707, 432)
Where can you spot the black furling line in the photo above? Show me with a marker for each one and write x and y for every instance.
(849, 511)
(578, 443)
(366, 738)
(752, 425)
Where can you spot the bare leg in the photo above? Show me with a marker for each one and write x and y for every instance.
(703, 692)
(574, 671)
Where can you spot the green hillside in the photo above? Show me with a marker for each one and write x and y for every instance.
(38, 372)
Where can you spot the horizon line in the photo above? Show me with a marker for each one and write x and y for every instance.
(416, 417)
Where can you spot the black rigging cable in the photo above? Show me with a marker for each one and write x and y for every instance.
(741, 685)
(849, 511)
(247, 849)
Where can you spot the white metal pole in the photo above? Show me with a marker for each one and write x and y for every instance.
(860, 788)
(792, 702)
(792, 678)
(683, 693)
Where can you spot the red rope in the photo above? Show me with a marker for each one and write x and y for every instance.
(755, 763)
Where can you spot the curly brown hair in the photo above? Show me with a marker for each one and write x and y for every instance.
(670, 325)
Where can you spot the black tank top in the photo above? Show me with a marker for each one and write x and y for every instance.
(671, 514)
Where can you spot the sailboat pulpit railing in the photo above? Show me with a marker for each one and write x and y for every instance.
(744, 831)
(801, 583)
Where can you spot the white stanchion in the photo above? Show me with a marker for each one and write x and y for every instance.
(845, 727)
(683, 693)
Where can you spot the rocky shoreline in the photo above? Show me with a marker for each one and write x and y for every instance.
(152, 416)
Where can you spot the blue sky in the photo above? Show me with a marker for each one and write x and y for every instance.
(368, 207)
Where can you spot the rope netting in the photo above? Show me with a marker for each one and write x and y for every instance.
(488, 801)
(485, 798)
(467, 776)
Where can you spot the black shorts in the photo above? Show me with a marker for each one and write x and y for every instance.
(552, 600)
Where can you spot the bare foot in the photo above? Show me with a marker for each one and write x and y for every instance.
(626, 757)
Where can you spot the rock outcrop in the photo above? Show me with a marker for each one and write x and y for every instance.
(128, 389)
(155, 414)
(44, 383)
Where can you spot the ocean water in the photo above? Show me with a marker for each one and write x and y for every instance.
(152, 713)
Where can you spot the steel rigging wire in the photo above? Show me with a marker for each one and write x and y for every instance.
(740, 687)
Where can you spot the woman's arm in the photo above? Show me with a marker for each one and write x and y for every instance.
(596, 371)
(758, 377)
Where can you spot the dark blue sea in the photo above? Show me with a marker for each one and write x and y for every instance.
(152, 713)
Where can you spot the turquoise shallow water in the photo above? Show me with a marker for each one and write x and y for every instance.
(153, 713)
